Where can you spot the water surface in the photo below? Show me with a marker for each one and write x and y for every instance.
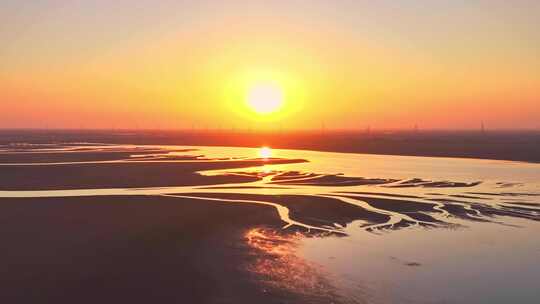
(400, 229)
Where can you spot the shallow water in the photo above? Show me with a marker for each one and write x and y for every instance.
(475, 263)
(479, 263)
(472, 236)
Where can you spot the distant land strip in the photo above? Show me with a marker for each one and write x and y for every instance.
(496, 145)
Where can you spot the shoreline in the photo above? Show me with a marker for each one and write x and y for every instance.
(239, 241)
(494, 145)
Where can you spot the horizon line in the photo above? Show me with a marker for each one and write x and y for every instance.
(265, 130)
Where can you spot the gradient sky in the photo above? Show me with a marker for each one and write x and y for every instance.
(349, 64)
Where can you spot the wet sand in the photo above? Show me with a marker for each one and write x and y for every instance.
(227, 243)
(136, 249)
(125, 174)
(130, 250)
(142, 249)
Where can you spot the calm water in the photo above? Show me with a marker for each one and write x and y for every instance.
(458, 261)
(476, 263)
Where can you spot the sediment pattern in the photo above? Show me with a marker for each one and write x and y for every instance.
(308, 201)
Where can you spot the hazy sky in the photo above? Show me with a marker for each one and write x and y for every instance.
(174, 64)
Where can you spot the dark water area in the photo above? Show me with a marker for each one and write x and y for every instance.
(502, 145)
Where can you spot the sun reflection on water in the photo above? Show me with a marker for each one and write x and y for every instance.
(278, 265)
(265, 152)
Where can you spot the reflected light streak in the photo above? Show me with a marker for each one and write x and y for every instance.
(265, 152)
(278, 264)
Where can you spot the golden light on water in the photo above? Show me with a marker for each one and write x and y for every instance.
(265, 152)
(279, 265)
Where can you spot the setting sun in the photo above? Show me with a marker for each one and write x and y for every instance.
(279, 151)
(265, 98)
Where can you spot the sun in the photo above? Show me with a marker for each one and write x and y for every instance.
(265, 98)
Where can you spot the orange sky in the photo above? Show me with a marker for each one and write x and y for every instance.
(347, 64)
